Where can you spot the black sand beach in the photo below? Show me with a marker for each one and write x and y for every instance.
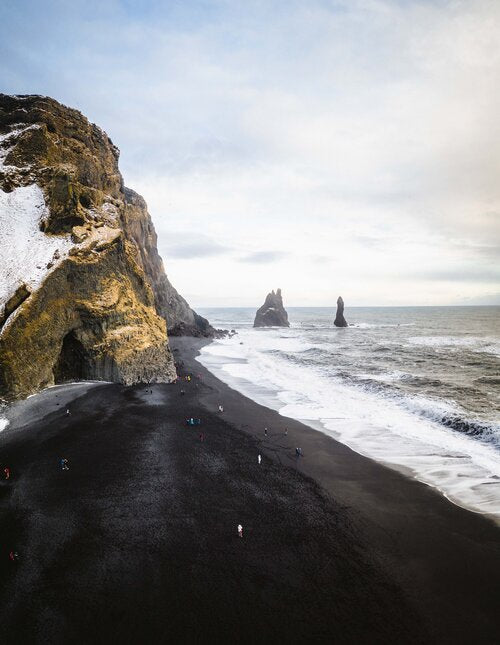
(137, 542)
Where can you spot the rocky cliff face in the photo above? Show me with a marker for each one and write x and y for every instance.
(340, 321)
(181, 319)
(272, 313)
(83, 292)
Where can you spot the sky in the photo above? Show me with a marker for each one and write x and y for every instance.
(326, 147)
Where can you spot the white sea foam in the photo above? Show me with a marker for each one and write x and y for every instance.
(476, 343)
(378, 325)
(3, 424)
(8, 142)
(403, 432)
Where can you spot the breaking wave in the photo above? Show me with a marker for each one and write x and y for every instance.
(431, 414)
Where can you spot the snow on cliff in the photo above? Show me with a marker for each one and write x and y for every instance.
(8, 142)
(25, 251)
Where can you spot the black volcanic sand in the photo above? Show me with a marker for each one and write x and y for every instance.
(137, 542)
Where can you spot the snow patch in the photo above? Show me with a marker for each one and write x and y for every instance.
(5, 140)
(25, 249)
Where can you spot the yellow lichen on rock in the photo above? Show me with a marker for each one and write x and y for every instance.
(94, 314)
(100, 307)
(91, 318)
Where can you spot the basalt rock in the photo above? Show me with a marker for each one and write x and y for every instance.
(181, 319)
(86, 296)
(272, 313)
(340, 321)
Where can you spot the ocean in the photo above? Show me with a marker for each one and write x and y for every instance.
(416, 388)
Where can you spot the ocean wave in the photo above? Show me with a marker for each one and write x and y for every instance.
(363, 325)
(472, 428)
(488, 380)
(480, 344)
(451, 417)
(421, 381)
(441, 443)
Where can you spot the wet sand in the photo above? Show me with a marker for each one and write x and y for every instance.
(137, 542)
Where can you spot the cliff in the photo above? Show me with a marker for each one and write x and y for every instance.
(83, 291)
(181, 319)
(272, 313)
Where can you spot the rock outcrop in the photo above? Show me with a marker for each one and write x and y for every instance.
(181, 319)
(272, 313)
(83, 292)
(340, 321)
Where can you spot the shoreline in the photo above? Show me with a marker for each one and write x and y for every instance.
(137, 540)
(422, 537)
(318, 426)
(479, 504)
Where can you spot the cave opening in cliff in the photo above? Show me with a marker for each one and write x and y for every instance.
(73, 363)
(85, 201)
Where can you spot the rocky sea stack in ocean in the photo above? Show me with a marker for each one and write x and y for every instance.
(340, 321)
(272, 313)
(83, 291)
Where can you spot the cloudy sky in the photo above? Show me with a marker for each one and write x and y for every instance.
(322, 146)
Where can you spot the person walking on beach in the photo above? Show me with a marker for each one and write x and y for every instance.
(286, 432)
(64, 464)
(240, 530)
(259, 459)
(221, 409)
(265, 432)
(13, 556)
(6, 472)
(67, 413)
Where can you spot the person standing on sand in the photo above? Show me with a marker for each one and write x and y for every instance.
(6, 472)
(64, 464)
(240, 530)
(67, 413)
(259, 459)
(221, 409)
(286, 432)
(14, 556)
(265, 432)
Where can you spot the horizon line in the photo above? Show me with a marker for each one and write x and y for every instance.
(347, 307)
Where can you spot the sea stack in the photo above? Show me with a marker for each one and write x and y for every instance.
(83, 291)
(340, 321)
(272, 313)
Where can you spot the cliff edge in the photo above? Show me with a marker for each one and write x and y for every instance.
(83, 291)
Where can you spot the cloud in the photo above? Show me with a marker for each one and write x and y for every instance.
(186, 246)
(462, 274)
(365, 132)
(488, 299)
(264, 257)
